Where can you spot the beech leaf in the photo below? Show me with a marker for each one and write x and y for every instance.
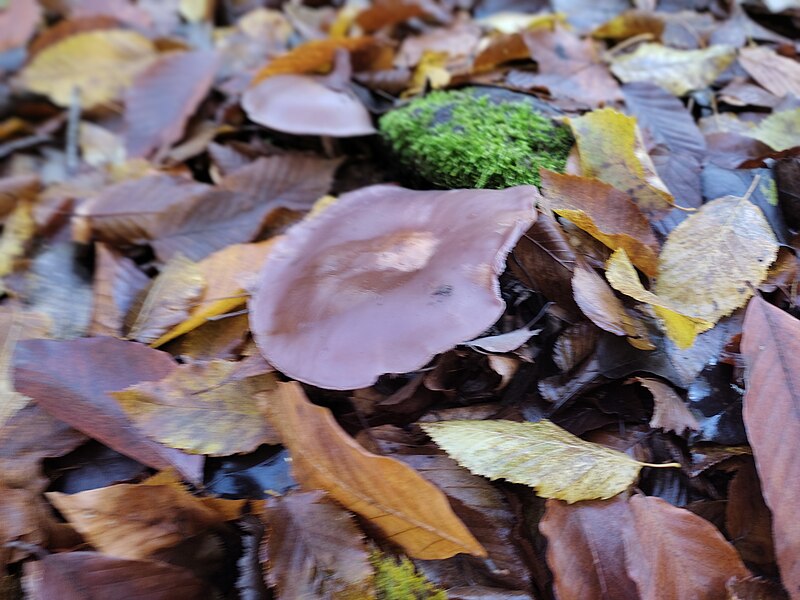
(669, 410)
(394, 498)
(770, 346)
(677, 71)
(780, 130)
(202, 408)
(551, 460)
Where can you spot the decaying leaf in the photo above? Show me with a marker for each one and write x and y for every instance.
(669, 411)
(673, 554)
(678, 71)
(611, 150)
(314, 549)
(605, 213)
(100, 64)
(554, 462)
(396, 500)
(385, 278)
(770, 346)
(202, 408)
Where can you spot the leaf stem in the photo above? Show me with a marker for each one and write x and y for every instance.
(661, 466)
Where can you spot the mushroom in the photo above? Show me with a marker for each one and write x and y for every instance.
(384, 279)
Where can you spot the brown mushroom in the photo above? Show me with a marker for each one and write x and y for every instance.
(384, 279)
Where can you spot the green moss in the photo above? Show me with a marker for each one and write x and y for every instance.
(399, 581)
(770, 191)
(460, 139)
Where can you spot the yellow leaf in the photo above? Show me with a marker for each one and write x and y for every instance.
(195, 11)
(712, 262)
(431, 71)
(551, 460)
(167, 300)
(611, 150)
(18, 230)
(101, 64)
(391, 496)
(202, 408)
(680, 328)
(677, 71)
(780, 130)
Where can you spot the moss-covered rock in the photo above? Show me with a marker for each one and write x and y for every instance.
(476, 139)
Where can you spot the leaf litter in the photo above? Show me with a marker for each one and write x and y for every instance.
(258, 342)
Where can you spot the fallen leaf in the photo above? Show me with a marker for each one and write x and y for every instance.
(163, 97)
(778, 74)
(202, 409)
(711, 263)
(391, 496)
(504, 342)
(554, 462)
(18, 230)
(681, 329)
(100, 64)
(631, 23)
(754, 588)
(117, 283)
(605, 213)
(672, 554)
(70, 380)
(166, 301)
(677, 71)
(78, 575)
(770, 343)
(585, 551)
(18, 21)
(747, 518)
(341, 276)
(611, 150)
(134, 520)
(670, 413)
(383, 13)
(314, 549)
(780, 130)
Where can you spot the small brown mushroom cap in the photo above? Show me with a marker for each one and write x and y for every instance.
(304, 105)
(384, 279)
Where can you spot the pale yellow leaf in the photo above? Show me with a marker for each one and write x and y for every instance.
(677, 71)
(780, 130)
(17, 231)
(542, 455)
(100, 64)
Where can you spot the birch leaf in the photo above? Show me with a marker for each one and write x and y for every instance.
(551, 460)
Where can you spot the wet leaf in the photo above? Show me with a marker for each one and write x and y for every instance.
(770, 345)
(611, 150)
(677, 71)
(672, 553)
(391, 496)
(554, 462)
(314, 549)
(100, 64)
(605, 213)
(203, 409)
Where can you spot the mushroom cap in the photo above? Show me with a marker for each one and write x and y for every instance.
(384, 279)
(304, 105)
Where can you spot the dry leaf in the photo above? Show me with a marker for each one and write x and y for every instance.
(554, 462)
(611, 150)
(605, 213)
(100, 64)
(117, 283)
(391, 496)
(780, 130)
(314, 549)
(747, 518)
(202, 408)
(670, 413)
(672, 554)
(770, 346)
(778, 74)
(677, 71)
(134, 520)
(167, 301)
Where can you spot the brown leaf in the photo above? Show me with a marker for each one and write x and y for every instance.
(670, 413)
(23, 519)
(604, 212)
(117, 283)
(585, 550)
(70, 379)
(778, 74)
(754, 588)
(747, 518)
(18, 21)
(164, 96)
(203, 409)
(376, 274)
(134, 520)
(167, 301)
(383, 13)
(770, 345)
(314, 549)
(81, 575)
(672, 554)
(389, 495)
